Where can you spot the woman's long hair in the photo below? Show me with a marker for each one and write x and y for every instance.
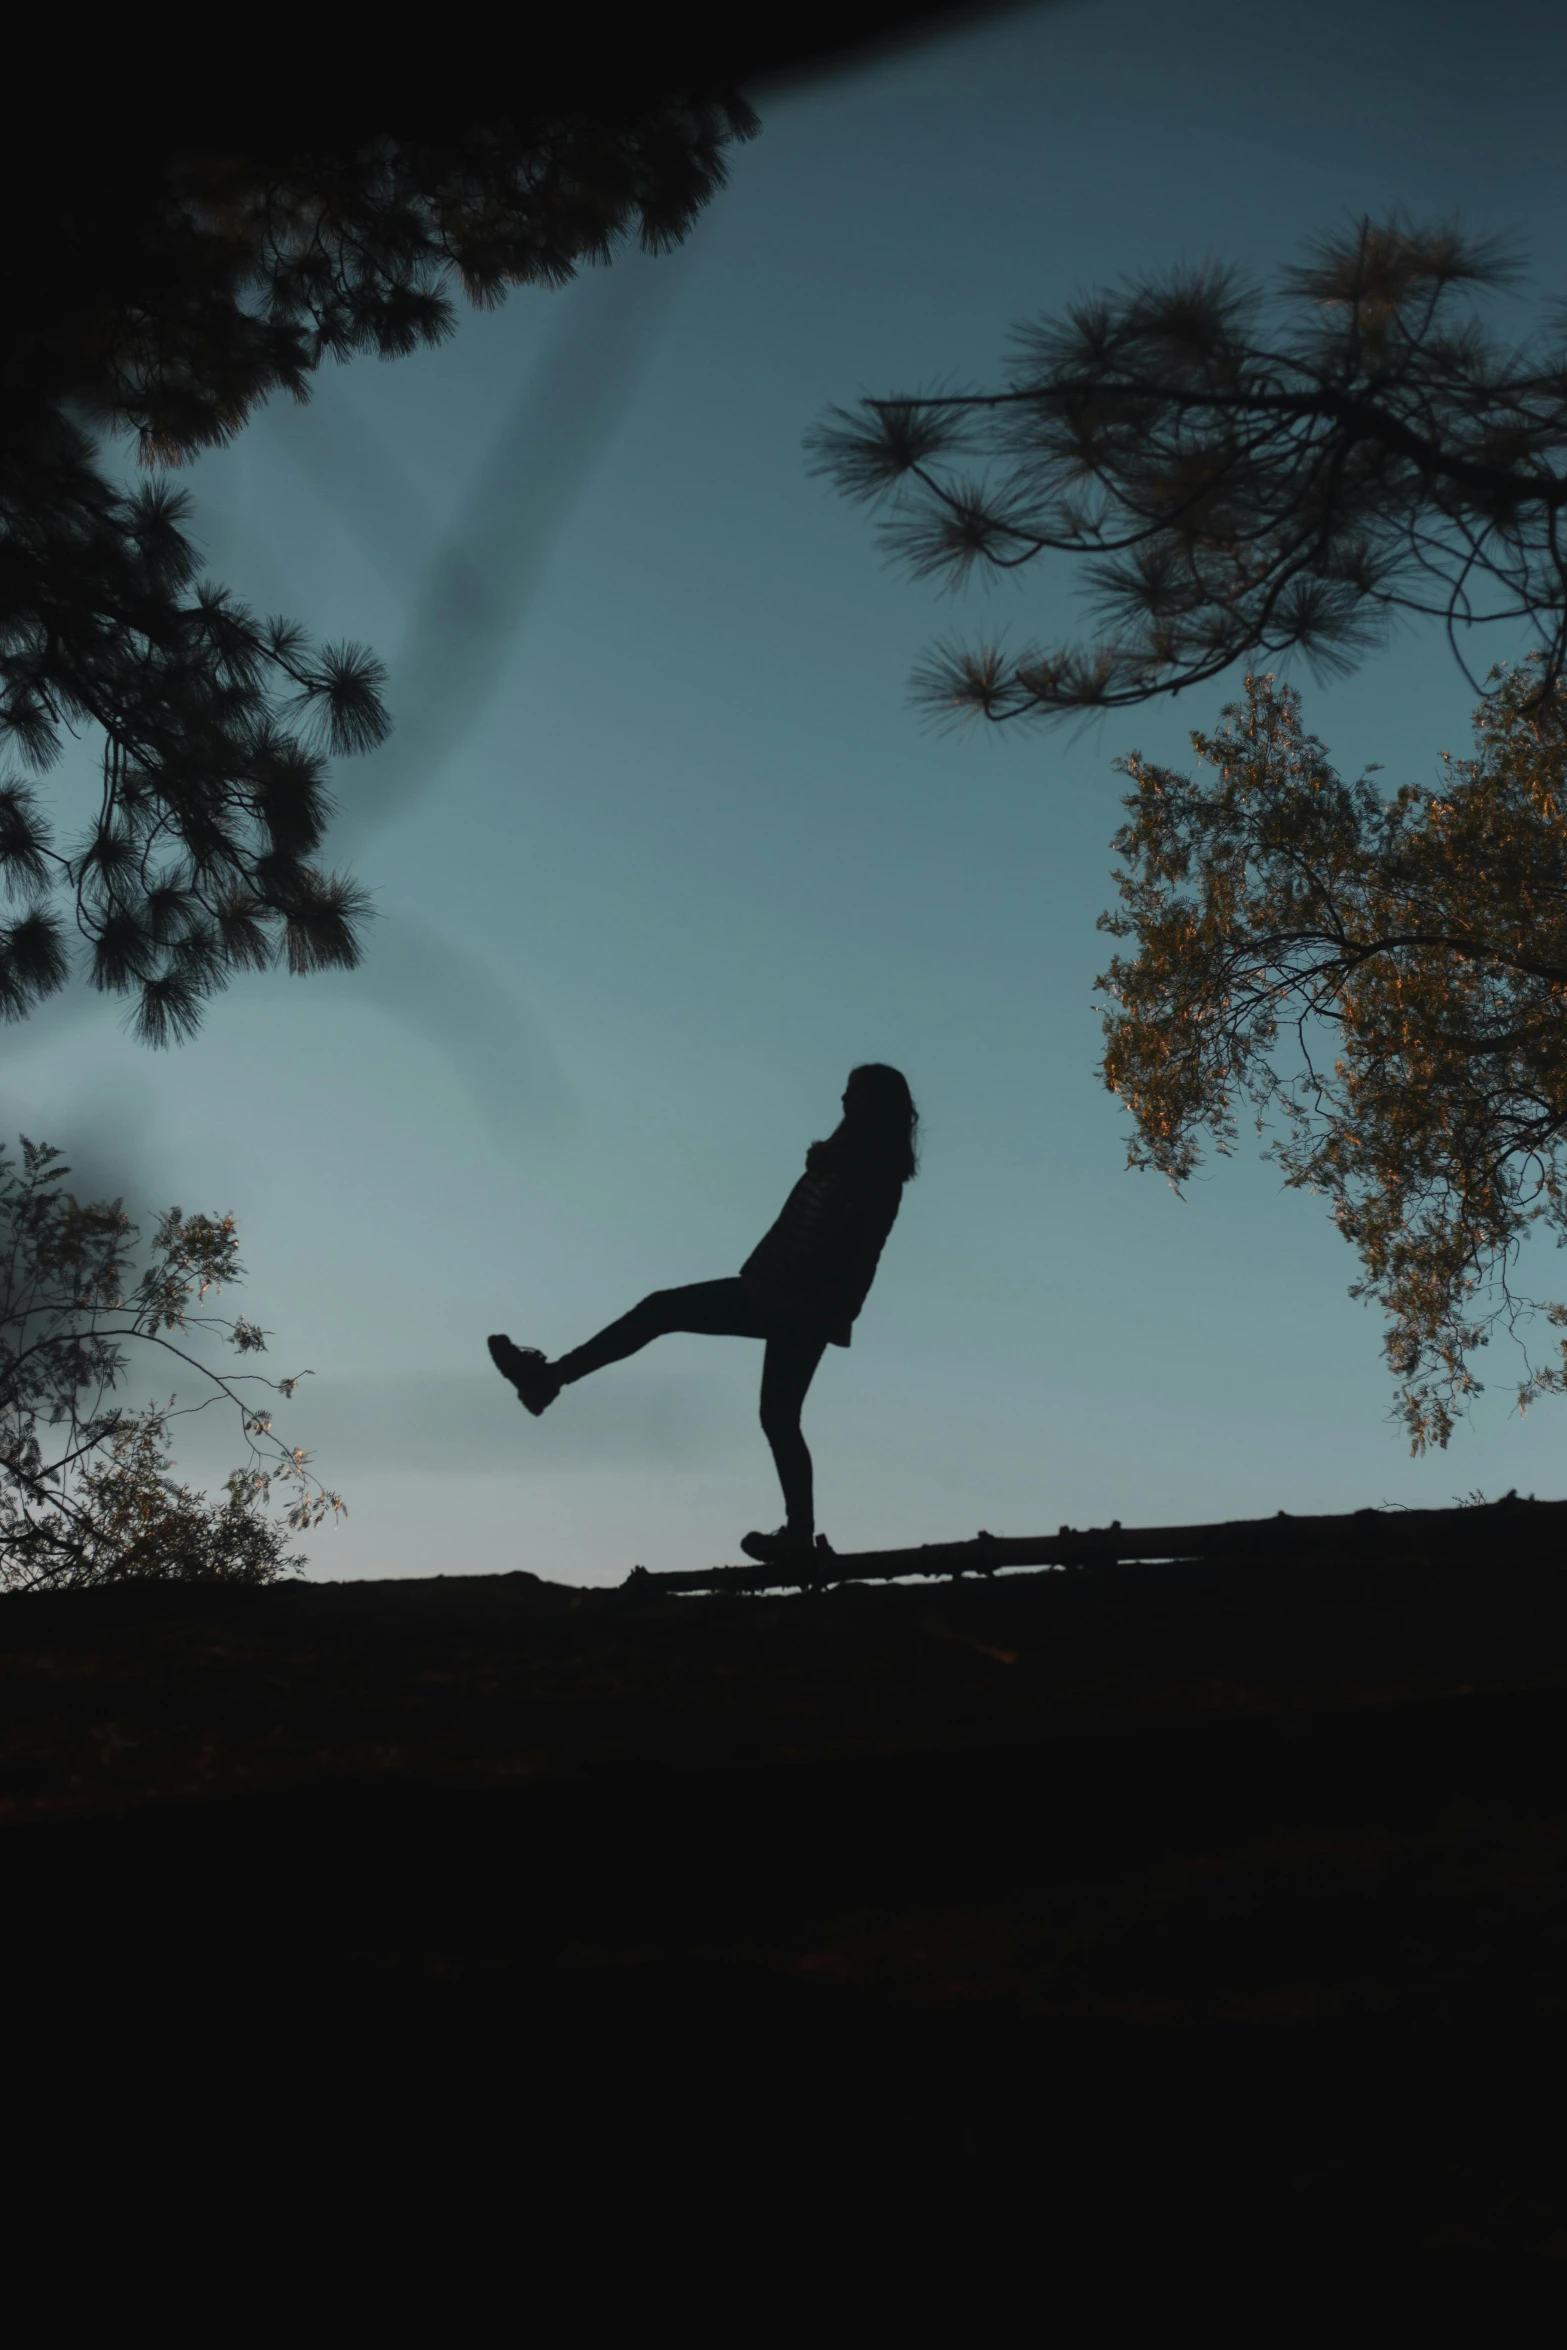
(880, 1129)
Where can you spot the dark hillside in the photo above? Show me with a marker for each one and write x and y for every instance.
(887, 1872)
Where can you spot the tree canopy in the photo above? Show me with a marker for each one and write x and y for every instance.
(1385, 976)
(1245, 475)
(223, 279)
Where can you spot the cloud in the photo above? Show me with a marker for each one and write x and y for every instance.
(111, 1146)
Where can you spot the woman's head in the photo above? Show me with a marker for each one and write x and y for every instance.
(879, 1116)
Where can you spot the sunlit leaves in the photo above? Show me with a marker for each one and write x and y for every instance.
(1243, 480)
(1382, 977)
(85, 1494)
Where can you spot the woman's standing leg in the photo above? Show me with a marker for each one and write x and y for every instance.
(719, 1309)
(788, 1367)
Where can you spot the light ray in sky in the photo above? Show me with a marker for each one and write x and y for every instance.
(474, 586)
(470, 589)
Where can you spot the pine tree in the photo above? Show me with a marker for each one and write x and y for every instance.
(1241, 480)
(209, 283)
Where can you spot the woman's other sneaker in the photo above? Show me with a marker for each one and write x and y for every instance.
(528, 1371)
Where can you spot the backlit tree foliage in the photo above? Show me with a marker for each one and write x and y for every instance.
(1384, 979)
(212, 282)
(1242, 478)
(85, 1497)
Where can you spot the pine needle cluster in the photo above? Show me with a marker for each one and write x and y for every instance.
(1244, 475)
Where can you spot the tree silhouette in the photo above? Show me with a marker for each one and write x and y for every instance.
(1387, 976)
(229, 278)
(1243, 480)
(84, 1494)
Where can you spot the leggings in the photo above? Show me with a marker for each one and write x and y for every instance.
(731, 1309)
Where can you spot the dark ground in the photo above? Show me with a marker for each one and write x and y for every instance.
(1143, 1905)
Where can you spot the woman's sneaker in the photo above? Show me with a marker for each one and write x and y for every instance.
(528, 1371)
(782, 1549)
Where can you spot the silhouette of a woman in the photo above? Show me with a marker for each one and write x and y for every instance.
(800, 1289)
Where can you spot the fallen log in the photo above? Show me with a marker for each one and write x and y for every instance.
(1531, 1526)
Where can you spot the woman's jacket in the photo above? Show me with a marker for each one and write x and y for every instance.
(820, 1257)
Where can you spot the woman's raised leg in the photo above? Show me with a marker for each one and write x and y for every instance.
(717, 1309)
